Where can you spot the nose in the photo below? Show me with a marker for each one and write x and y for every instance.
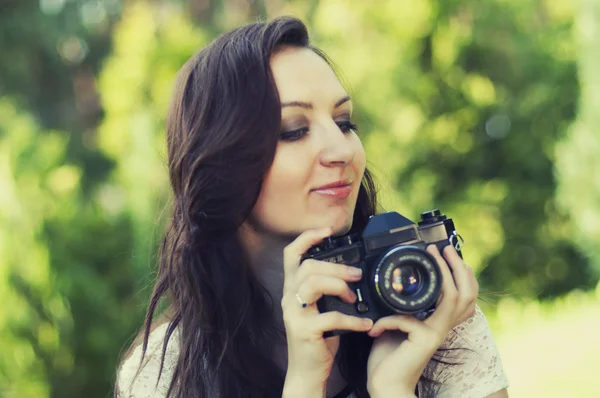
(336, 147)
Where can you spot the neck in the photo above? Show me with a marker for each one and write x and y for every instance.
(265, 252)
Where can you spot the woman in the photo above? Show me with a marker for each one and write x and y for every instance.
(264, 163)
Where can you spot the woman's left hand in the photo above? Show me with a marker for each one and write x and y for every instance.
(397, 359)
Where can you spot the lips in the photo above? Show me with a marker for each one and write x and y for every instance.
(338, 190)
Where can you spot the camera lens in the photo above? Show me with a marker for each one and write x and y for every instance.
(406, 279)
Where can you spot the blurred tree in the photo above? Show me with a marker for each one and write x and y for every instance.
(65, 278)
(51, 53)
(578, 165)
(35, 317)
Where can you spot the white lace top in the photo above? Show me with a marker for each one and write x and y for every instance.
(480, 373)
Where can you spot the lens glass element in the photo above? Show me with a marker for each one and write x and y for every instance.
(406, 279)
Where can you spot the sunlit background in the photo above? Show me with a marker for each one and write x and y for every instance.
(489, 110)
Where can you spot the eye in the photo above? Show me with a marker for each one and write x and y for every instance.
(347, 126)
(293, 135)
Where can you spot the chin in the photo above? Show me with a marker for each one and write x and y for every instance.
(342, 230)
(339, 227)
(339, 222)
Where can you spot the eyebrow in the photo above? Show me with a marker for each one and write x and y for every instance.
(308, 105)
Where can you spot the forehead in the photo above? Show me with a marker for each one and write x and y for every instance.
(302, 75)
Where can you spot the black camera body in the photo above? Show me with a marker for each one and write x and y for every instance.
(399, 275)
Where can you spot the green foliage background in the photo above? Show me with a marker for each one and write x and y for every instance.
(485, 109)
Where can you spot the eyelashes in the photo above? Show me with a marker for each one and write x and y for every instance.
(293, 135)
(345, 126)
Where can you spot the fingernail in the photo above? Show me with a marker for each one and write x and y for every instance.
(367, 322)
(374, 332)
(353, 271)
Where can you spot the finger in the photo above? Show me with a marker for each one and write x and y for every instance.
(311, 267)
(462, 274)
(294, 251)
(335, 320)
(448, 296)
(448, 286)
(315, 286)
(465, 280)
(406, 324)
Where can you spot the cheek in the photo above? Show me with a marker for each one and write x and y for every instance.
(283, 192)
(287, 176)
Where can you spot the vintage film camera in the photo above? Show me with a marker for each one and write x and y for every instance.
(399, 275)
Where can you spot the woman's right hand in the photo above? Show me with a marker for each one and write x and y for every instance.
(310, 356)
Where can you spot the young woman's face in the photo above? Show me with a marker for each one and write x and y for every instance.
(320, 161)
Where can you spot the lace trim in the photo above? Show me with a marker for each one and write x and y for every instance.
(480, 372)
(131, 384)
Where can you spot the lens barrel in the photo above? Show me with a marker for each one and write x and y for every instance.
(406, 279)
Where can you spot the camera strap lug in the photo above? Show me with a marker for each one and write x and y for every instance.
(456, 241)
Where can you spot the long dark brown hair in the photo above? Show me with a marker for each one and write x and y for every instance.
(222, 132)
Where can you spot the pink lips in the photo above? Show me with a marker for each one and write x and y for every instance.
(336, 190)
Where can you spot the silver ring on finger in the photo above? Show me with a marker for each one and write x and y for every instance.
(303, 303)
